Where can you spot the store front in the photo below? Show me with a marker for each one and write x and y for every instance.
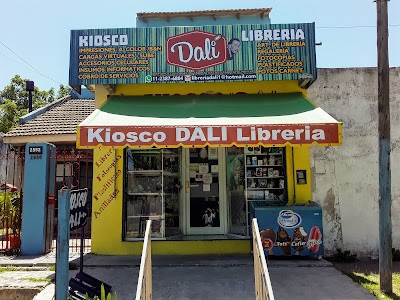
(195, 165)
(195, 157)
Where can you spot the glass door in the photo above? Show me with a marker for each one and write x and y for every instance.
(206, 198)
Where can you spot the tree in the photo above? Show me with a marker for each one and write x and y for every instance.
(10, 115)
(14, 101)
(63, 91)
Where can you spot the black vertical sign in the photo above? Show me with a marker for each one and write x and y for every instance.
(78, 208)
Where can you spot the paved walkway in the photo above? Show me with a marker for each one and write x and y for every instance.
(208, 276)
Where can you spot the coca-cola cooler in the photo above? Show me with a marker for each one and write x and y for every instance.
(289, 230)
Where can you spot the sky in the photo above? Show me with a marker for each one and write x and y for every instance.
(34, 35)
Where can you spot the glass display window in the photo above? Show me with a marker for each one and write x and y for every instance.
(152, 192)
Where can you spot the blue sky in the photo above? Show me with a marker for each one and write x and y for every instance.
(38, 31)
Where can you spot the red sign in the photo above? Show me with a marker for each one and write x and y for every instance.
(196, 50)
(121, 136)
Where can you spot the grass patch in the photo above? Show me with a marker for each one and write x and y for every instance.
(9, 268)
(48, 280)
(371, 283)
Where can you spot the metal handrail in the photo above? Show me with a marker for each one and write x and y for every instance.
(144, 285)
(261, 275)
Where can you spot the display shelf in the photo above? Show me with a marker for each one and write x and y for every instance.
(151, 186)
(153, 172)
(263, 154)
(167, 173)
(267, 177)
(249, 166)
(255, 189)
(146, 172)
(265, 174)
(152, 217)
(143, 194)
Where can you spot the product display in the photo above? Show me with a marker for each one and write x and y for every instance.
(300, 237)
(265, 175)
(152, 192)
(284, 241)
(297, 230)
(314, 239)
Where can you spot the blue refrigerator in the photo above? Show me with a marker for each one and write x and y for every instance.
(289, 230)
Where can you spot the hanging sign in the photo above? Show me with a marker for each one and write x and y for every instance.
(78, 209)
(193, 54)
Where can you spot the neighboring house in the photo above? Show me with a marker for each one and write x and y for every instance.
(56, 124)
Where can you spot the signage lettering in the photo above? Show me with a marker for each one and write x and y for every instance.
(196, 50)
(78, 209)
(212, 135)
(273, 35)
(103, 40)
(234, 53)
(36, 150)
(197, 53)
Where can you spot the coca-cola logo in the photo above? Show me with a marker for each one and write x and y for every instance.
(196, 50)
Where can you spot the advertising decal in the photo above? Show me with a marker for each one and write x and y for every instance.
(293, 235)
(193, 54)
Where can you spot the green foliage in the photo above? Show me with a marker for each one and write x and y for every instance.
(10, 211)
(14, 101)
(371, 283)
(63, 91)
(103, 295)
(9, 269)
(10, 115)
(33, 279)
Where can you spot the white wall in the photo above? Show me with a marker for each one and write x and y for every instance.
(346, 177)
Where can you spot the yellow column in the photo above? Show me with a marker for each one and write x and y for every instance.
(107, 200)
(301, 161)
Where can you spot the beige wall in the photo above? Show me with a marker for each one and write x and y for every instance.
(346, 177)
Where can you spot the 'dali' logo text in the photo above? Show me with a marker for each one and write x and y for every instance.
(196, 50)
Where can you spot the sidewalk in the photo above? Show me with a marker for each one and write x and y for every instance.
(216, 276)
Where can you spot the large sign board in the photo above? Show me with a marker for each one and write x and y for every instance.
(193, 54)
(78, 209)
(200, 136)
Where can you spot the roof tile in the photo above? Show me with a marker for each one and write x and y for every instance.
(62, 118)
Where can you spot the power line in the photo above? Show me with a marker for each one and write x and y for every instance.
(355, 26)
(32, 67)
(17, 62)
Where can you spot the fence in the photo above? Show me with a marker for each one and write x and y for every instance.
(144, 286)
(74, 169)
(261, 275)
(11, 177)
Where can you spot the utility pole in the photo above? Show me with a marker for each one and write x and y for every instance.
(385, 205)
